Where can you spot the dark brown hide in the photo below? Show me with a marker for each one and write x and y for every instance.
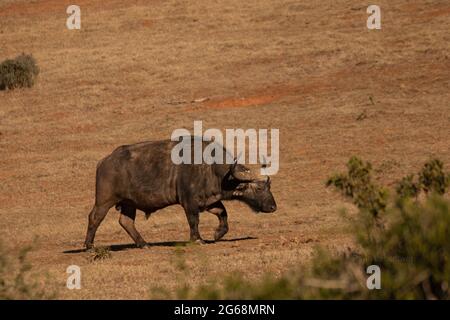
(142, 176)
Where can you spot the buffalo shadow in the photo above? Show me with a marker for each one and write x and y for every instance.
(127, 246)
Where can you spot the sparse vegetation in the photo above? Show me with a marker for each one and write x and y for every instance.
(432, 177)
(19, 72)
(357, 185)
(17, 281)
(406, 238)
(99, 254)
(408, 187)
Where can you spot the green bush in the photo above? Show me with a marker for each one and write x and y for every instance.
(357, 185)
(410, 245)
(408, 187)
(19, 72)
(413, 251)
(406, 238)
(17, 281)
(432, 177)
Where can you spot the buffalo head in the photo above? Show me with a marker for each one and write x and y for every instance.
(252, 189)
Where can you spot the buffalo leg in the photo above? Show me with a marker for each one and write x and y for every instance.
(96, 216)
(126, 220)
(193, 220)
(219, 210)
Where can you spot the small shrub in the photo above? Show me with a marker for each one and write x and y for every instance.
(430, 179)
(99, 254)
(408, 187)
(357, 184)
(433, 178)
(19, 72)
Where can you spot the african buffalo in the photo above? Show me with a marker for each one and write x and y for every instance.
(142, 176)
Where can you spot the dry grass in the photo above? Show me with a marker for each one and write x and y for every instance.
(308, 69)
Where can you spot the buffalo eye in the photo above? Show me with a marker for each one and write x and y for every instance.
(241, 186)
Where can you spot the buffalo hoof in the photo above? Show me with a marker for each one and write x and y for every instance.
(199, 241)
(220, 233)
(141, 245)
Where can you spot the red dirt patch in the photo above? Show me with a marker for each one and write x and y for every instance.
(436, 13)
(147, 23)
(31, 9)
(48, 7)
(269, 95)
(256, 98)
(332, 81)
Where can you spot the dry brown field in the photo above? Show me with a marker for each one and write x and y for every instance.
(308, 68)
